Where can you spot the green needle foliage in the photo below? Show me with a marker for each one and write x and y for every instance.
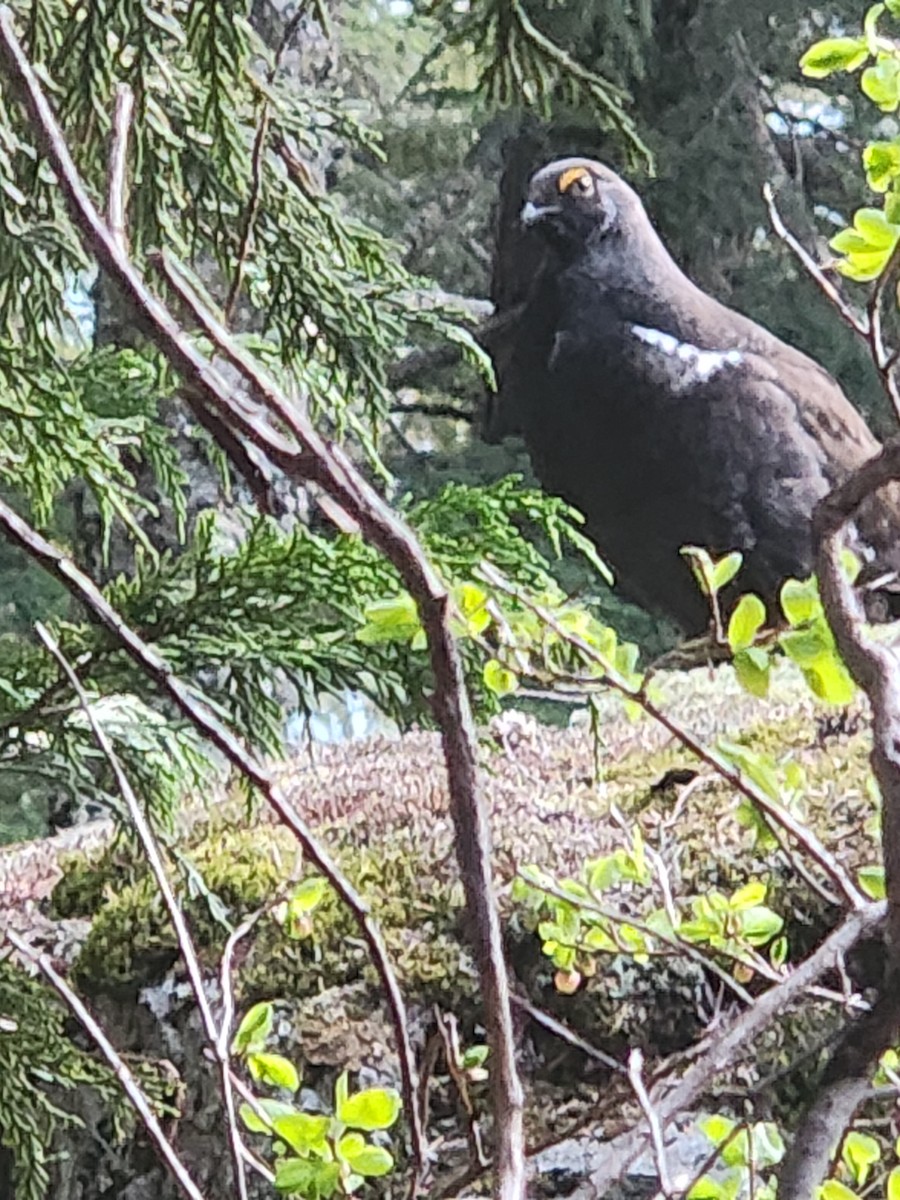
(225, 170)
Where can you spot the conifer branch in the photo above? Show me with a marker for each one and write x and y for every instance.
(323, 463)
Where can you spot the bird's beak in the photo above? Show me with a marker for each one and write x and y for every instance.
(532, 213)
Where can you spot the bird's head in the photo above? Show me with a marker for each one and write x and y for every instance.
(575, 200)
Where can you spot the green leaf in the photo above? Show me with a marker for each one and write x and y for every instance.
(759, 925)
(893, 7)
(867, 246)
(807, 647)
(308, 895)
(874, 226)
(471, 601)
(716, 1127)
(726, 569)
(893, 1182)
(834, 54)
(870, 27)
(758, 767)
(597, 939)
(311, 1178)
(273, 1069)
(881, 83)
(393, 620)
(341, 1090)
(830, 680)
(860, 1152)
(753, 669)
(370, 1161)
(703, 567)
(374, 1108)
(871, 880)
(474, 1056)
(254, 1029)
(768, 1144)
(707, 1188)
(499, 679)
(881, 161)
(748, 896)
(745, 621)
(800, 600)
(778, 952)
(271, 1108)
(305, 1133)
(351, 1143)
(603, 873)
(833, 1189)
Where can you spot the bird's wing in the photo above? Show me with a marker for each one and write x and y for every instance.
(520, 356)
(779, 434)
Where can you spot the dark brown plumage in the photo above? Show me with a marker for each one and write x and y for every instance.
(665, 417)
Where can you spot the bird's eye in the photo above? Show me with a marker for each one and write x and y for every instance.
(576, 180)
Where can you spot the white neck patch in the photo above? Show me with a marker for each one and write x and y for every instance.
(687, 364)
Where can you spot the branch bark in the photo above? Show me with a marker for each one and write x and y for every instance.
(313, 459)
(876, 668)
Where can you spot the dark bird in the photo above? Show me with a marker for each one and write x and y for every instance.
(665, 417)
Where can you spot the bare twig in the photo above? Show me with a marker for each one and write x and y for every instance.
(448, 1030)
(857, 321)
(182, 933)
(452, 411)
(876, 668)
(636, 1078)
(868, 325)
(130, 1085)
(317, 461)
(257, 165)
(256, 181)
(117, 195)
(223, 1044)
(564, 1033)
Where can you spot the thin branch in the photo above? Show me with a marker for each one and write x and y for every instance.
(867, 326)
(881, 357)
(130, 1085)
(157, 866)
(448, 1031)
(318, 461)
(223, 1046)
(712, 758)
(257, 164)
(451, 411)
(671, 1096)
(635, 1076)
(565, 1034)
(117, 193)
(256, 181)
(857, 322)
